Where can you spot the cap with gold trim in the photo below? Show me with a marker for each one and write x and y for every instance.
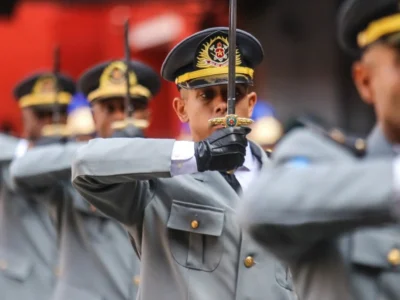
(107, 80)
(40, 90)
(364, 22)
(202, 59)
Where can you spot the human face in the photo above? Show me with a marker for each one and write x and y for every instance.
(197, 106)
(34, 121)
(377, 77)
(106, 112)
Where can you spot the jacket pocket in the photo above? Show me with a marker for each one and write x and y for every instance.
(195, 235)
(14, 266)
(375, 249)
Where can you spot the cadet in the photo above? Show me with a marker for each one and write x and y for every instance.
(318, 191)
(97, 259)
(28, 244)
(169, 194)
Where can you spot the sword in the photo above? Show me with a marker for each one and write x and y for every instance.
(56, 71)
(231, 119)
(129, 120)
(55, 129)
(128, 98)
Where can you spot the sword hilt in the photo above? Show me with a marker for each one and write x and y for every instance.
(230, 121)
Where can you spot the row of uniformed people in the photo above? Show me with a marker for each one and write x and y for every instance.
(53, 244)
(182, 228)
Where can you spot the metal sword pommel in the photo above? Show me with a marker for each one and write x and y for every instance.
(230, 121)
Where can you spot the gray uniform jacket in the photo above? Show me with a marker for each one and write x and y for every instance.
(97, 259)
(28, 249)
(184, 227)
(333, 221)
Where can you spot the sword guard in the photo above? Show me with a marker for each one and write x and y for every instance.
(230, 121)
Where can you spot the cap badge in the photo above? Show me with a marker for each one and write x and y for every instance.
(214, 53)
(114, 74)
(45, 85)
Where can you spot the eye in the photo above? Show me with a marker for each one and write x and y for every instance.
(208, 94)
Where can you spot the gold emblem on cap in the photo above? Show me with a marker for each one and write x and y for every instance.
(114, 74)
(214, 53)
(112, 83)
(45, 85)
(44, 92)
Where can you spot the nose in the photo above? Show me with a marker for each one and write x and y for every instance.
(220, 105)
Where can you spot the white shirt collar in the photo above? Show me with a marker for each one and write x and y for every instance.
(249, 161)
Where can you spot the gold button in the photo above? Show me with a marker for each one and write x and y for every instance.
(136, 280)
(360, 145)
(249, 261)
(92, 208)
(194, 224)
(394, 257)
(3, 264)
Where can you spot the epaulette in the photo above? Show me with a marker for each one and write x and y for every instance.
(356, 145)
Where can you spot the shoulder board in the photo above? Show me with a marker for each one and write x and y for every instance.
(354, 144)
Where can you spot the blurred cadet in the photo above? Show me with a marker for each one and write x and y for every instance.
(333, 213)
(39, 96)
(103, 86)
(28, 241)
(80, 123)
(176, 198)
(266, 129)
(97, 258)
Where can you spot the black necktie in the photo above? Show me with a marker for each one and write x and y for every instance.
(232, 180)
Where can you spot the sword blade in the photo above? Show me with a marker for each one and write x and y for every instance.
(128, 98)
(232, 58)
(56, 71)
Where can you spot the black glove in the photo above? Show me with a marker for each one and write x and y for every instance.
(224, 150)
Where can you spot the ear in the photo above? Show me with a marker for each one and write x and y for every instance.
(362, 80)
(179, 106)
(252, 100)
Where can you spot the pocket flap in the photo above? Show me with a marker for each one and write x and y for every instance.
(15, 266)
(375, 248)
(196, 218)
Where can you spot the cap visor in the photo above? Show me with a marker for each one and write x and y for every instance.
(214, 80)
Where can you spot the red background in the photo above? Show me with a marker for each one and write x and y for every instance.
(88, 34)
